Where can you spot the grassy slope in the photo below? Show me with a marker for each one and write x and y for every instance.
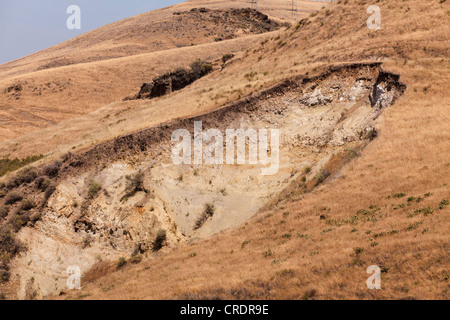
(105, 65)
(410, 156)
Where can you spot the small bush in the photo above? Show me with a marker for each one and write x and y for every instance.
(135, 183)
(94, 189)
(282, 43)
(136, 259)
(399, 195)
(200, 68)
(52, 169)
(206, 214)
(322, 176)
(27, 175)
(244, 244)
(18, 220)
(13, 197)
(227, 57)
(122, 262)
(267, 253)
(49, 189)
(9, 245)
(428, 210)
(443, 204)
(23, 177)
(161, 237)
(26, 205)
(249, 76)
(42, 183)
(4, 211)
(4, 275)
(309, 294)
(87, 240)
(206, 68)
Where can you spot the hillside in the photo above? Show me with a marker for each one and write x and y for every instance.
(362, 178)
(104, 65)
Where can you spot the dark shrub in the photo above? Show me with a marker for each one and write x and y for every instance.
(200, 68)
(4, 211)
(13, 197)
(94, 189)
(39, 183)
(227, 57)
(27, 175)
(23, 177)
(52, 169)
(87, 240)
(8, 244)
(136, 259)
(49, 191)
(161, 237)
(9, 247)
(4, 275)
(122, 261)
(44, 184)
(18, 220)
(26, 205)
(66, 157)
(135, 183)
(180, 78)
(209, 212)
(322, 176)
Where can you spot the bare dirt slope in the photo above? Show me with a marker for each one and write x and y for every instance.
(385, 204)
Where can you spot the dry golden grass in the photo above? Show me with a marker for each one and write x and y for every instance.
(410, 155)
(84, 74)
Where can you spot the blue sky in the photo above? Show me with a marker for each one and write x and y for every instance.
(27, 26)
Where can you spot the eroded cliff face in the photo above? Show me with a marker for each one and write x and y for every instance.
(119, 197)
